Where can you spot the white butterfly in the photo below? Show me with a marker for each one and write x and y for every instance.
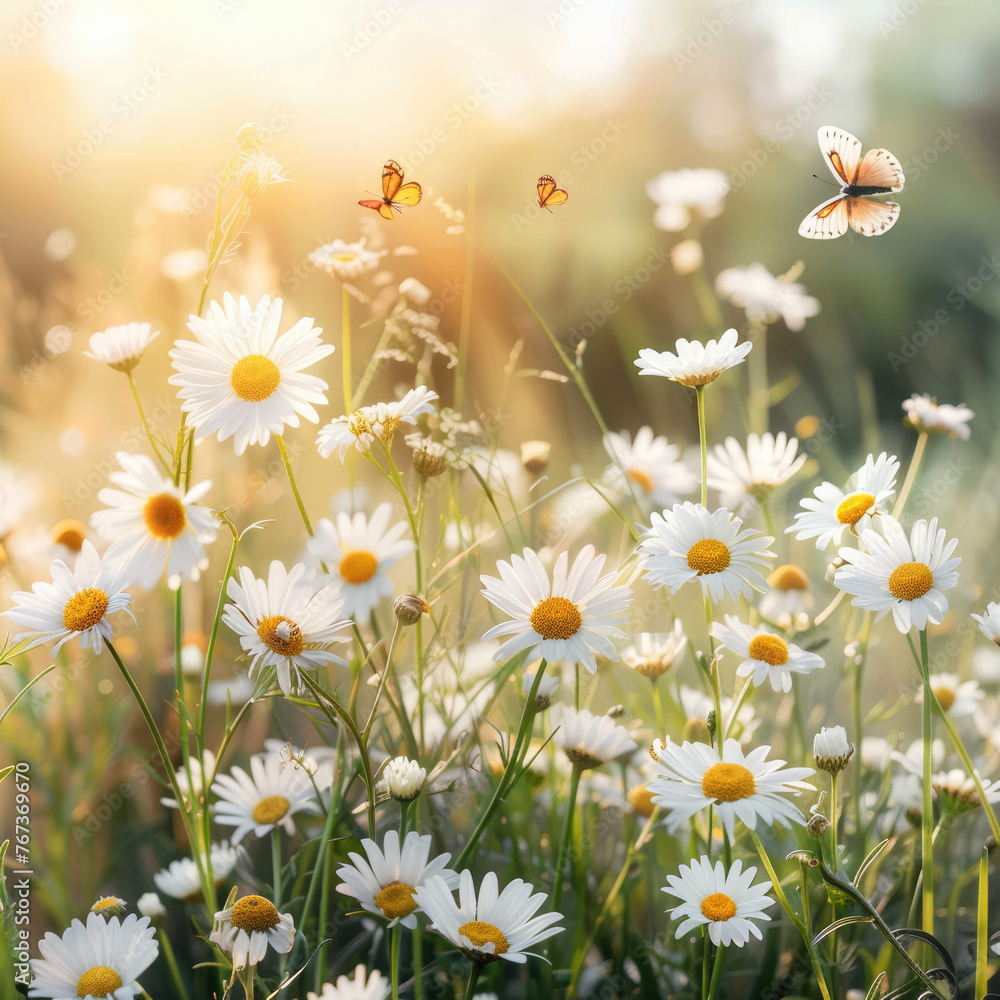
(878, 173)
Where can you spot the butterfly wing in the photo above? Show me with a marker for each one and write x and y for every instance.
(880, 168)
(376, 205)
(558, 197)
(409, 194)
(842, 152)
(871, 218)
(546, 185)
(829, 220)
(392, 178)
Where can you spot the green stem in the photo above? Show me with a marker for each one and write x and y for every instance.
(470, 990)
(182, 719)
(171, 959)
(927, 807)
(833, 818)
(291, 482)
(911, 474)
(713, 666)
(145, 425)
(276, 867)
(27, 687)
(982, 923)
(383, 680)
(394, 962)
(699, 391)
(713, 986)
(567, 832)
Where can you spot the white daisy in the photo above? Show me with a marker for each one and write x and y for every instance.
(240, 379)
(653, 654)
(989, 622)
(926, 414)
(788, 600)
(766, 656)
(388, 416)
(346, 261)
(361, 987)
(102, 959)
(694, 363)
(286, 622)
(192, 778)
(677, 192)
(729, 904)
(903, 575)
(652, 464)
(403, 778)
(153, 524)
(496, 925)
(246, 928)
(150, 905)
(745, 787)
(268, 797)
(958, 699)
(689, 542)
(765, 297)
(831, 749)
(744, 478)
(359, 551)
(76, 603)
(379, 421)
(590, 740)
(569, 619)
(961, 789)
(834, 510)
(121, 347)
(180, 879)
(385, 881)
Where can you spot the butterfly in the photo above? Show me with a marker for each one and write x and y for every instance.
(394, 192)
(549, 194)
(878, 172)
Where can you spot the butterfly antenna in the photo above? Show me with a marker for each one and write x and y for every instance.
(826, 180)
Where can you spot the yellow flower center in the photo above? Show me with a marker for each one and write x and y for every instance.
(770, 648)
(640, 798)
(708, 556)
(851, 509)
(910, 580)
(345, 257)
(396, 900)
(357, 566)
(105, 903)
(70, 533)
(286, 641)
(728, 783)
(85, 609)
(254, 913)
(358, 424)
(556, 618)
(788, 577)
(480, 933)
(642, 479)
(945, 696)
(164, 516)
(254, 378)
(270, 810)
(718, 906)
(98, 981)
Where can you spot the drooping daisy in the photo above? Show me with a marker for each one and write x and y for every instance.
(905, 576)
(497, 925)
(678, 192)
(766, 656)
(745, 787)
(286, 622)
(989, 622)
(152, 524)
(765, 297)
(76, 603)
(652, 464)
(384, 880)
(690, 542)
(121, 347)
(269, 796)
(361, 987)
(958, 699)
(246, 928)
(359, 551)
(590, 740)
(834, 510)
(569, 619)
(346, 261)
(728, 903)
(103, 959)
(180, 879)
(653, 654)
(694, 363)
(744, 478)
(240, 379)
(926, 414)
(788, 600)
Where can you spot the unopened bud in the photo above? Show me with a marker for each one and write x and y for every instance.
(535, 456)
(403, 778)
(430, 459)
(817, 826)
(712, 726)
(409, 607)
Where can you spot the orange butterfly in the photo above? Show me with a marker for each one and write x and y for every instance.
(878, 173)
(549, 194)
(394, 192)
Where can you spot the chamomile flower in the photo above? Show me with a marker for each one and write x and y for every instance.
(380, 421)
(788, 599)
(958, 699)
(653, 654)
(384, 880)
(570, 618)
(246, 928)
(652, 464)
(590, 740)
(153, 524)
(745, 787)
(239, 379)
(403, 779)
(389, 416)
(744, 478)
(681, 193)
(832, 751)
(102, 959)
(989, 622)
(180, 879)
(121, 347)
(766, 656)
(359, 551)
(493, 926)
(960, 788)
(905, 576)
(361, 987)
(694, 363)
(346, 261)
(76, 603)
(833, 510)
(150, 905)
(690, 542)
(766, 297)
(726, 902)
(286, 622)
(927, 415)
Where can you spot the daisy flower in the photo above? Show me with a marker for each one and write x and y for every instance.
(743, 478)
(150, 905)
(691, 542)
(246, 928)
(152, 524)
(653, 654)
(192, 778)
(180, 879)
(745, 787)
(831, 749)
(384, 881)
(346, 261)
(268, 797)
(989, 622)
(905, 576)
(765, 297)
(694, 363)
(496, 925)
(121, 347)
(961, 789)
(678, 192)
(102, 959)
(76, 603)
(570, 618)
(788, 600)
(833, 510)
(590, 740)
(361, 987)
(403, 779)
(652, 464)
(766, 656)
(728, 903)
(239, 379)
(926, 415)
(359, 551)
(378, 421)
(958, 699)
(285, 622)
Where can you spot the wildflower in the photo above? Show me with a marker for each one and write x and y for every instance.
(346, 261)
(766, 297)
(654, 653)
(989, 622)
(744, 478)
(408, 608)
(958, 699)
(678, 192)
(181, 880)
(694, 363)
(926, 415)
(766, 656)
(121, 347)
(430, 458)
(109, 906)
(831, 749)
(590, 740)
(788, 600)
(192, 778)
(389, 416)
(150, 905)
(361, 987)
(403, 778)
(246, 928)
(652, 465)
(362, 427)
(961, 792)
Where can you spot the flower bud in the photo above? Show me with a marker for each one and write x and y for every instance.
(409, 607)
(430, 459)
(150, 905)
(403, 778)
(535, 456)
(831, 749)
(817, 826)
